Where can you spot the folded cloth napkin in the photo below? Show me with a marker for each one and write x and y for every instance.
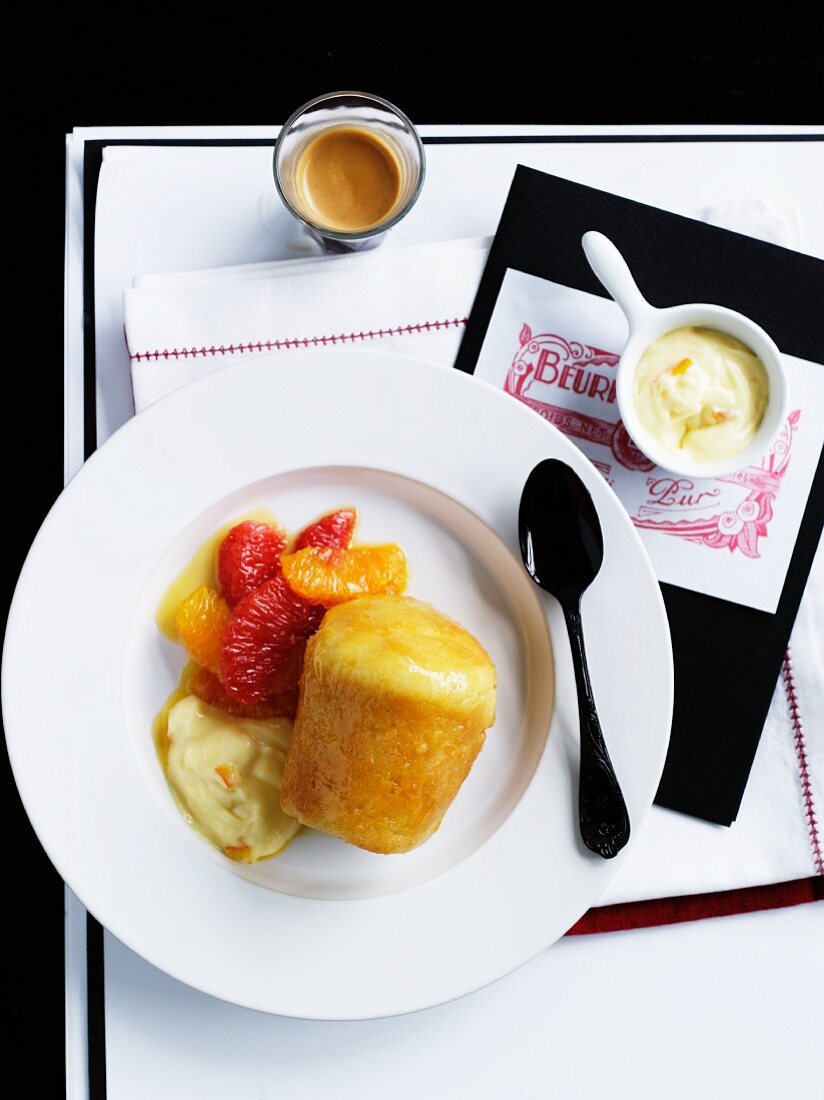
(416, 300)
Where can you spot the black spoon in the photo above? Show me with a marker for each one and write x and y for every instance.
(563, 549)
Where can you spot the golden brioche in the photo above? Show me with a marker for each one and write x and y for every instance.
(395, 701)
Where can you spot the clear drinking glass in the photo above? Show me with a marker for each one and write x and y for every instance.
(349, 109)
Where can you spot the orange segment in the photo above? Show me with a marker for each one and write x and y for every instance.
(282, 704)
(328, 576)
(201, 620)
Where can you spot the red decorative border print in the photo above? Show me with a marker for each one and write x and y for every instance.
(740, 528)
(547, 362)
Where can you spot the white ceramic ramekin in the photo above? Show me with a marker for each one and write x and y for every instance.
(646, 324)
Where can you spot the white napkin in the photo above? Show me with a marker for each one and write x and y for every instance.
(416, 299)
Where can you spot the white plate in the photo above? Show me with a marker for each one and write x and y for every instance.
(434, 459)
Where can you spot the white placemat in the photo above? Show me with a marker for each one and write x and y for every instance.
(168, 1041)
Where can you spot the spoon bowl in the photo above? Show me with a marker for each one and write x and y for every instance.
(555, 501)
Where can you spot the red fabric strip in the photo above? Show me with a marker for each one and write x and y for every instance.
(649, 914)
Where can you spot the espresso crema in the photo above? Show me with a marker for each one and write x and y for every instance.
(348, 179)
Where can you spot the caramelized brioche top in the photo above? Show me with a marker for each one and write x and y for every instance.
(408, 647)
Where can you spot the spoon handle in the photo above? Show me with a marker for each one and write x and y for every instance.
(602, 811)
(612, 270)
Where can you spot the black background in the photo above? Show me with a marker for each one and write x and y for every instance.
(240, 65)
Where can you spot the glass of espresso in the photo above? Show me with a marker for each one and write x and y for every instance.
(349, 166)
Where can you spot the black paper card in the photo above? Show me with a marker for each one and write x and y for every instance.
(727, 657)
